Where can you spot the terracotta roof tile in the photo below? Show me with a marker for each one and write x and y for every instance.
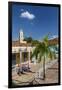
(53, 41)
(17, 43)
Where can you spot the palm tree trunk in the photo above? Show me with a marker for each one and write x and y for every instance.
(44, 68)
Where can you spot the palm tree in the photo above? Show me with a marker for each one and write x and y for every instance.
(43, 51)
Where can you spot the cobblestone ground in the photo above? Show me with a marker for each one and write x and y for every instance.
(51, 77)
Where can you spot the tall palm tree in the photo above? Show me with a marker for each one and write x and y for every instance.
(43, 51)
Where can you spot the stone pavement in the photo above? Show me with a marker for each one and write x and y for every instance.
(51, 75)
(28, 77)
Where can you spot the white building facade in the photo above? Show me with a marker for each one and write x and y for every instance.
(21, 52)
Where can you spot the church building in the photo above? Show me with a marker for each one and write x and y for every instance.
(21, 51)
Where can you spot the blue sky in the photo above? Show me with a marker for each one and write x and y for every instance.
(35, 21)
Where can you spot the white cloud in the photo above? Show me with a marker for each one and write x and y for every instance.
(27, 15)
(54, 36)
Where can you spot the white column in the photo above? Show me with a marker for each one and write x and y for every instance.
(29, 58)
(20, 60)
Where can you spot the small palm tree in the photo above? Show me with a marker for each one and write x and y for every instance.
(43, 51)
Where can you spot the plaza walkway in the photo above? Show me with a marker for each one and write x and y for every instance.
(51, 75)
(30, 78)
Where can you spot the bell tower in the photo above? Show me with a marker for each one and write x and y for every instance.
(21, 36)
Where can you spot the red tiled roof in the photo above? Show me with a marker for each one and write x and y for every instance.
(53, 41)
(17, 43)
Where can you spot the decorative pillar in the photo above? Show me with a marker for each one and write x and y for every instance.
(29, 59)
(20, 60)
